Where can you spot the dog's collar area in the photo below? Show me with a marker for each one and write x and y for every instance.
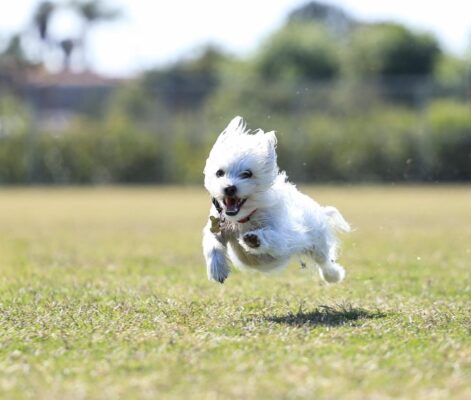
(247, 218)
(241, 221)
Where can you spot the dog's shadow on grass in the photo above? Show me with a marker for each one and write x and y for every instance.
(327, 316)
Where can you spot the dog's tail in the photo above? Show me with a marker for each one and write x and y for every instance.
(336, 220)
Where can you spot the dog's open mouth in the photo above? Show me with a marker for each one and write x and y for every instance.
(233, 205)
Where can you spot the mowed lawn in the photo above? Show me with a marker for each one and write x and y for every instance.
(103, 294)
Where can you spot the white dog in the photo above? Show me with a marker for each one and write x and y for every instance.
(258, 219)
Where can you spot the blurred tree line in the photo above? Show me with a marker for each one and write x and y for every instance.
(351, 102)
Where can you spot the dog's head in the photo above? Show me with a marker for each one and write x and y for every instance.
(241, 168)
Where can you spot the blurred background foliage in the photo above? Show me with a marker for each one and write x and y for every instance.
(350, 101)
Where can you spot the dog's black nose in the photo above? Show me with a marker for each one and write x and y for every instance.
(230, 191)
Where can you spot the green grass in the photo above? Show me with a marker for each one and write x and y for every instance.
(103, 294)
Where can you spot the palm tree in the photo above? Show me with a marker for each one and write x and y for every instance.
(67, 46)
(42, 17)
(41, 21)
(92, 12)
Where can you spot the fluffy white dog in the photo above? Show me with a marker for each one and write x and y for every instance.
(258, 219)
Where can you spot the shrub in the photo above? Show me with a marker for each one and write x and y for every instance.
(449, 124)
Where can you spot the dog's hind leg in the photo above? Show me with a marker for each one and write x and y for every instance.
(331, 272)
(325, 257)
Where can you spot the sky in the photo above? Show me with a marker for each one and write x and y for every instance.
(157, 32)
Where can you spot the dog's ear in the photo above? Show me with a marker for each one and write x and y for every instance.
(271, 139)
(236, 127)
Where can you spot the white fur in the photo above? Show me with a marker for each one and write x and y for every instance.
(286, 222)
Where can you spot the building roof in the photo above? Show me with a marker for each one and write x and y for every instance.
(69, 78)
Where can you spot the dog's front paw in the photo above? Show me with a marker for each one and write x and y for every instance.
(218, 270)
(251, 240)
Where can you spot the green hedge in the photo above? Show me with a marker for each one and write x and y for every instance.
(385, 144)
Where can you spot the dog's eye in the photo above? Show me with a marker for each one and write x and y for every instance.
(219, 173)
(246, 174)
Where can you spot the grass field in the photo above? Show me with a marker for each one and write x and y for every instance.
(103, 294)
